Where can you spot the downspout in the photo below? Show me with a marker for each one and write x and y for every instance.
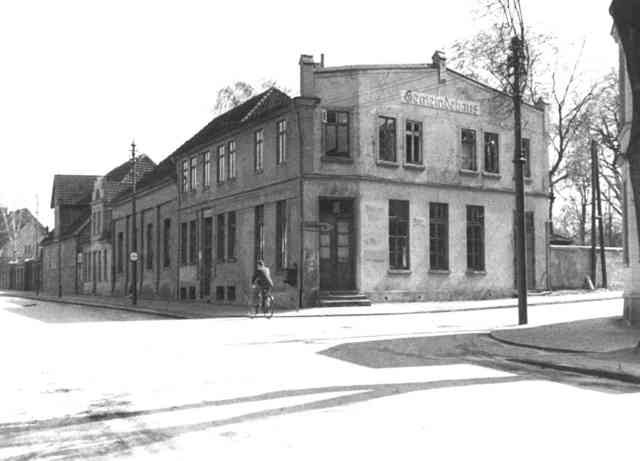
(301, 209)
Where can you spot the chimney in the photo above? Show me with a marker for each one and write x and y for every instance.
(440, 62)
(307, 84)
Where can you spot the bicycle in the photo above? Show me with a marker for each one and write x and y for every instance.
(267, 305)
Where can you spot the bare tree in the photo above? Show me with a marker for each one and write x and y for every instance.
(233, 95)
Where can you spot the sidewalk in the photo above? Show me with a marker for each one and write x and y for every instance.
(196, 309)
(605, 347)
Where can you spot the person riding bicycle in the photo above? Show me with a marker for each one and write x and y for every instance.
(262, 280)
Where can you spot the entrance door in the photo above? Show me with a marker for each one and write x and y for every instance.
(336, 245)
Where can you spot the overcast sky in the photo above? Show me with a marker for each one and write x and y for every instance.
(80, 79)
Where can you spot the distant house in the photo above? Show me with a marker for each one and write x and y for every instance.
(21, 234)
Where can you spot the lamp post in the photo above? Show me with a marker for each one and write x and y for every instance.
(134, 241)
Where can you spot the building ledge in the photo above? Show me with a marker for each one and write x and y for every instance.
(404, 272)
(474, 272)
(466, 172)
(440, 271)
(387, 164)
(336, 159)
(489, 174)
(414, 166)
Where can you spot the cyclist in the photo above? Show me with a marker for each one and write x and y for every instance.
(262, 280)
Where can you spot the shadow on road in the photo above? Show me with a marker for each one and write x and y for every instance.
(68, 313)
(89, 434)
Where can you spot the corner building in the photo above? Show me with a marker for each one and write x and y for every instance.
(393, 182)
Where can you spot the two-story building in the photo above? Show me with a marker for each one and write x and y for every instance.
(390, 181)
(22, 234)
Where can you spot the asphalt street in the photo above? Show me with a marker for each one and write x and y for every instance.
(87, 383)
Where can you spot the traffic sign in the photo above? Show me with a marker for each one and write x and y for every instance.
(133, 256)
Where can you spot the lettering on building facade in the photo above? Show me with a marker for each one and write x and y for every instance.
(440, 102)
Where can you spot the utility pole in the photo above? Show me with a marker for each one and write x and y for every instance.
(517, 62)
(603, 262)
(593, 212)
(134, 231)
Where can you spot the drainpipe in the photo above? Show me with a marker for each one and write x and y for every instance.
(301, 210)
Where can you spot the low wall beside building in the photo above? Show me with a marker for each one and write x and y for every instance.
(570, 264)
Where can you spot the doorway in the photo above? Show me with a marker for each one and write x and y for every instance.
(337, 267)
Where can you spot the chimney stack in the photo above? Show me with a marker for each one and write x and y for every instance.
(307, 83)
(440, 62)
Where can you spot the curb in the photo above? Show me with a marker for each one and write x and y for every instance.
(538, 348)
(178, 315)
(612, 375)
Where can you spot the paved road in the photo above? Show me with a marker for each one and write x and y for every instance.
(89, 383)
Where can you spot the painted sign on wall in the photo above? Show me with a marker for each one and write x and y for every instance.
(440, 102)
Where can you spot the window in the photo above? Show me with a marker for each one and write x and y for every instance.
(185, 175)
(439, 236)
(258, 150)
(413, 142)
(98, 262)
(231, 235)
(119, 252)
(281, 141)
(526, 153)
(468, 142)
(192, 242)
(491, 153)
(386, 138)
(221, 164)
(231, 293)
(281, 235)
(85, 277)
(475, 238)
(232, 160)
(166, 255)
(220, 238)
(149, 258)
(219, 293)
(193, 175)
(206, 169)
(104, 265)
(183, 243)
(398, 234)
(336, 133)
(259, 232)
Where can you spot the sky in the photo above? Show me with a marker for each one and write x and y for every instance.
(80, 80)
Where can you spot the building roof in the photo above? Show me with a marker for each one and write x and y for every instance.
(252, 109)
(120, 172)
(70, 189)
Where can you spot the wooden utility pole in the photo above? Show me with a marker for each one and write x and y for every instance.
(517, 63)
(134, 232)
(593, 213)
(603, 262)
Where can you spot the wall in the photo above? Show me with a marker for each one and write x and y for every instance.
(570, 264)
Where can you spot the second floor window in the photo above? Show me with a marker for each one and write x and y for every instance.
(526, 153)
(221, 164)
(185, 175)
(386, 138)
(336, 133)
(258, 150)
(468, 150)
(232, 170)
(193, 174)
(281, 141)
(491, 153)
(413, 142)
(206, 169)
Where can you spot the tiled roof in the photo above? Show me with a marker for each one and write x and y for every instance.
(71, 189)
(120, 172)
(251, 109)
(75, 225)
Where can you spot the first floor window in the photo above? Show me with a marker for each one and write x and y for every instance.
(220, 234)
(468, 148)
(387, 138)
(185, 175)
(231, 147)
(491, 153)
(149, 258)
(119, 255)
(231, 235)
(281, 234)
(193, 175)
(281, 141)
(166, 255)
(259, 232)
(258, 150)
(413, 142)
(184, 238)
(439, 236)
(206, 169)
(104, 265)
(221, 164)
(399, 234)
(336, 133)
(475, 238)
(192, 242)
